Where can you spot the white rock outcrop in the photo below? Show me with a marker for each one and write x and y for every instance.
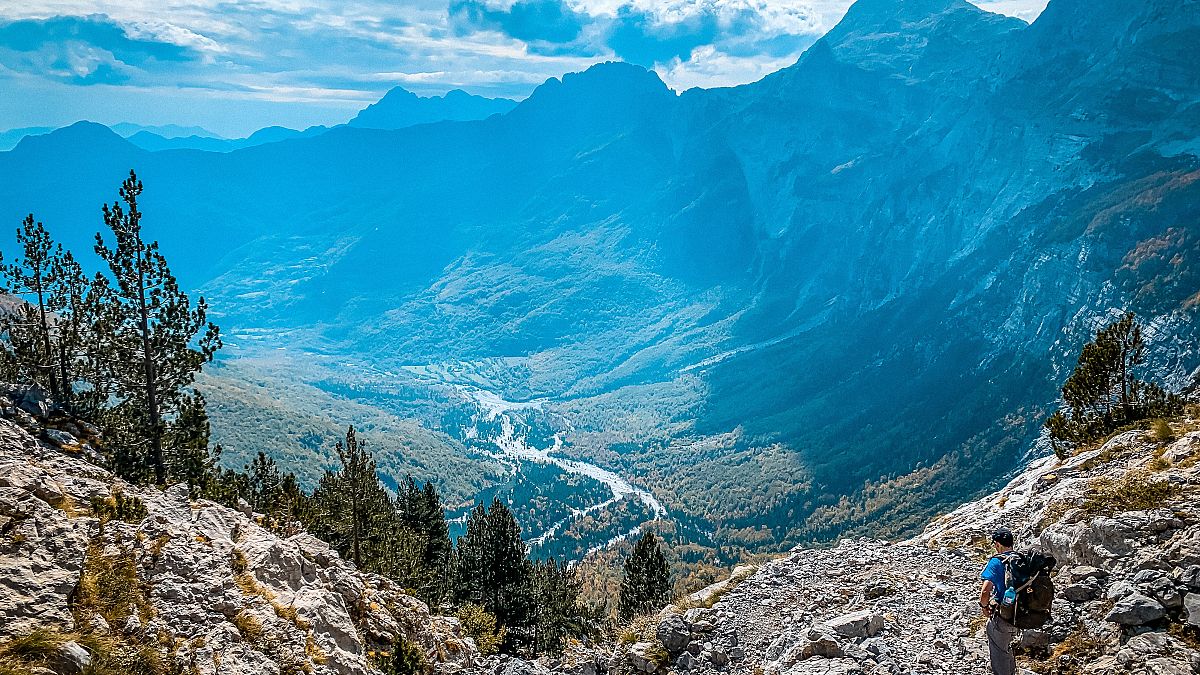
(218, 592)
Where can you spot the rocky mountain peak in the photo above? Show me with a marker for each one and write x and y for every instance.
(881, 14)
(400, 108)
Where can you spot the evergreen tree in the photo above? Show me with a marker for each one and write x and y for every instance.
(28, 327)
(188, 436)
(1103, 393)
(76, 335)
(152, 357)
(558, 614)
(422, 517)
(351, 510)
(492, 570)
(646, 587)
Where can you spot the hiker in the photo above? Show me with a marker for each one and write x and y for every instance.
(1000, 632)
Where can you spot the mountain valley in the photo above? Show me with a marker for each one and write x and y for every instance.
(835, 301)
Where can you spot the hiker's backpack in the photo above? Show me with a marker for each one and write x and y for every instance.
(1028, 573)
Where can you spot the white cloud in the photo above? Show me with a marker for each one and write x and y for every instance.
(342, 52)
(707, 67)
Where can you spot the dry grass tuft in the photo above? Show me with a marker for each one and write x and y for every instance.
(1134, 491)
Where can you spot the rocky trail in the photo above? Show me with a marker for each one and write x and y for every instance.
(1123, 521)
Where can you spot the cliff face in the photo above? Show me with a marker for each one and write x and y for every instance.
(99, 561)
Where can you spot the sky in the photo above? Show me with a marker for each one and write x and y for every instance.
(234, 66)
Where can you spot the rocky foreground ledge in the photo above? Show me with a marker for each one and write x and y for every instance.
(203, 587)
(1123, 521)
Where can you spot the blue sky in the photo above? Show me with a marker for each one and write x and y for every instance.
(234, 66)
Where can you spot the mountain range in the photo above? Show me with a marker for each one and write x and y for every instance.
(397, 109)
(834, 300)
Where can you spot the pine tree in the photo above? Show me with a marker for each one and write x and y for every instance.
(558, 614)
(188, 436)
(352, 511)
(422, 517)
(154, 325)
(646, 587)
(492, 570)
(1103, 393)
(28, 328)
(76, 336)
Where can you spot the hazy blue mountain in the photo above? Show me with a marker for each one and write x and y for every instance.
(10, 138)
(401, 108)
(127, 130)
(154, 143)
(832, 300)
(162, 137)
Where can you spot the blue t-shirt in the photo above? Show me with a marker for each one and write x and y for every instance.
(994, 572)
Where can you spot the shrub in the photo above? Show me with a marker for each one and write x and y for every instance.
(1162, 431)
(1077, 650)
(640, 629)
(406, 658)
(480, 626)
(119, 507)
(34, 647)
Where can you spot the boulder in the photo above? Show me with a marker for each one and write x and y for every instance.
(1185, 447)
(640, 656)
(861, 624)
(674, 633)
(1147, 577)
(1191, 609)
(62, 439)
(70, 659)
(1135, 610)
(1119, 590)
(1082, 591)
(821, 666)
(1163, 590)
(819, 643)
(1191, 578)
(35, 401)
(1081, 572)
(1034, 639)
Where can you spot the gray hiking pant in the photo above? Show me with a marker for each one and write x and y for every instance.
(1000, 635)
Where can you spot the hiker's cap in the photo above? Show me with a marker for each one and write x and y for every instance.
(1003, 536)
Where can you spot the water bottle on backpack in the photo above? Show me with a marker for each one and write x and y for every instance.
(1010, 597)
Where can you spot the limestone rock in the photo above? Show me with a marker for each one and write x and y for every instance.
(291, 604)
(641, 657)
(70, 659)
(1135, 610)
(1191, 609)
(861, 624)
(674, 633)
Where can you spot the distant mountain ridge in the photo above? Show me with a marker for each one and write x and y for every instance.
(834, 300)
(397, 109)
(401, 108)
